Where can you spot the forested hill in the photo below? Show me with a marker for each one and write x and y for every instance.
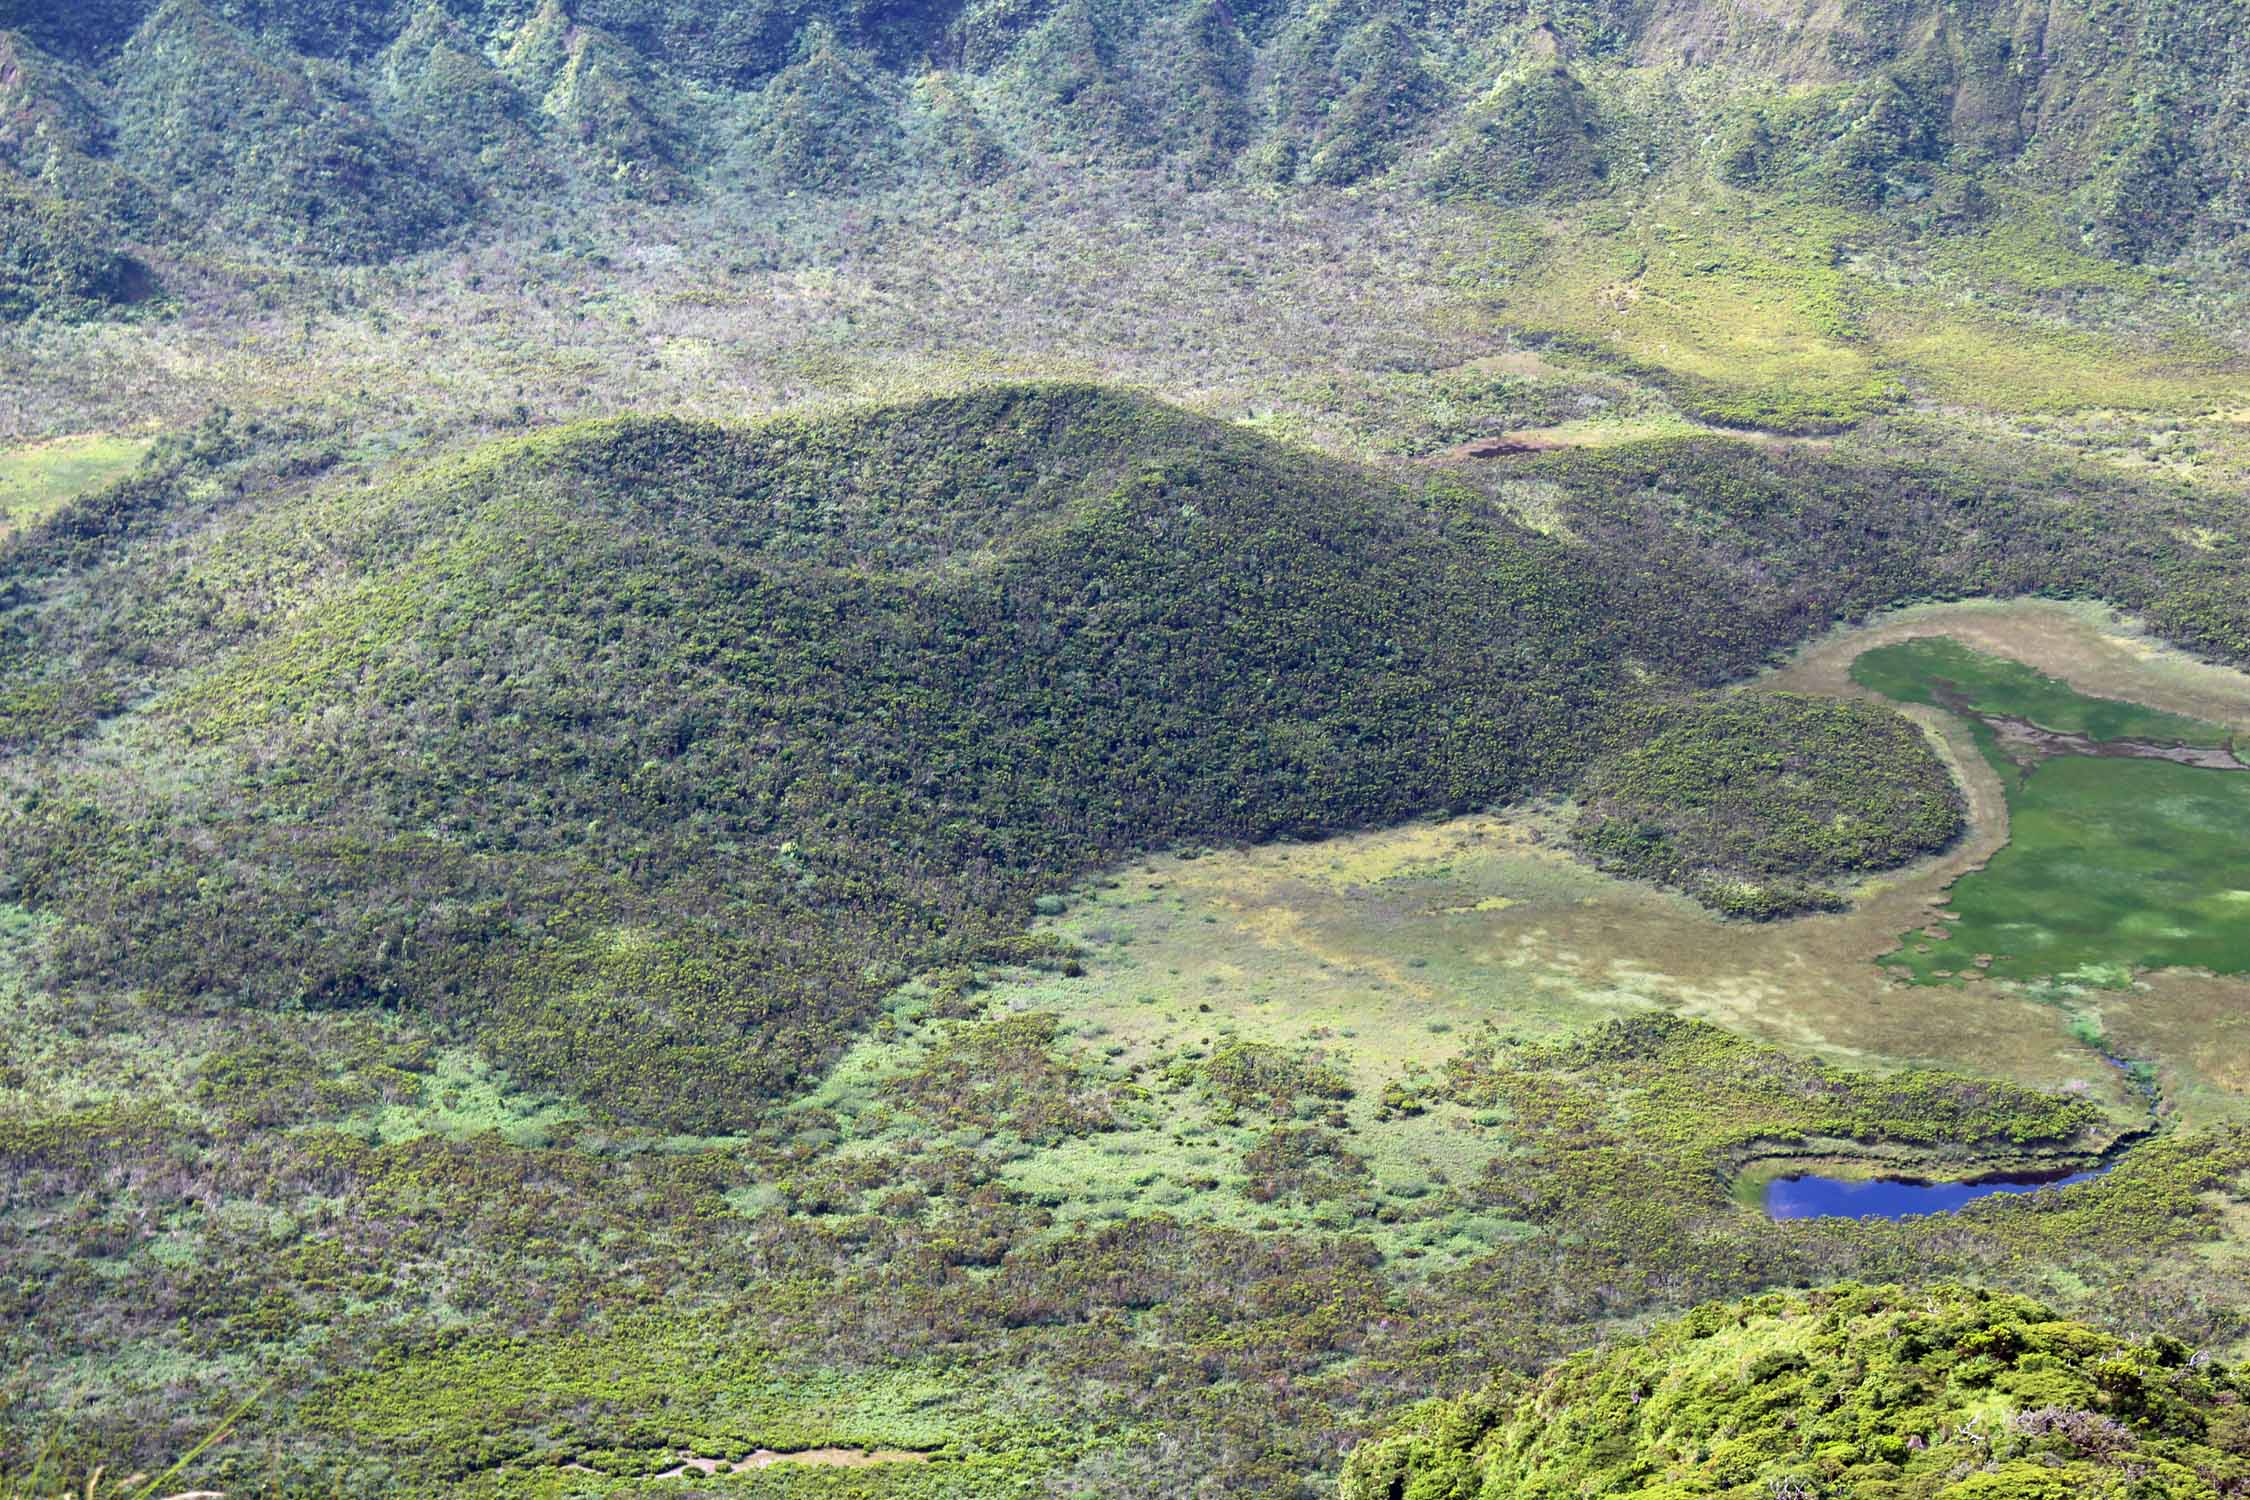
(654, 752)
(658, 751)
(356, 130)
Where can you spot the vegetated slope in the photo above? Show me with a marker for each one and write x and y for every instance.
(2133, 122)
(1745, 801)
(653, 752)
(56, 260)
(251, 146)
(1932, 1393)
(656, 751)
(1792, 541)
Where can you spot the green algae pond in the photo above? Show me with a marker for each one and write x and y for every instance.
(2128, 829)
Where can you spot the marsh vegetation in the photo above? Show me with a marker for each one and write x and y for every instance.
(2120, 858)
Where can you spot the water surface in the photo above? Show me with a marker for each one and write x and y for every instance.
(1815, 1197)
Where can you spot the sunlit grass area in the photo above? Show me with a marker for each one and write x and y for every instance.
(36, 478)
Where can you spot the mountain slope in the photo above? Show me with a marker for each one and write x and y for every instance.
(58, 260)
(253, 146)
(2132, 125)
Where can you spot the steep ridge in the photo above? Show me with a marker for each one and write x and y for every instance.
(2132, 124)
(256, 147)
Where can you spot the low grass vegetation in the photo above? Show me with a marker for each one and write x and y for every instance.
(37, 479)
(2113, 867)
(2115, 863)
(1942, 672)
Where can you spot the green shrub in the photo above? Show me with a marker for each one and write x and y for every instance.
(1939, 1391)
(1743, 800)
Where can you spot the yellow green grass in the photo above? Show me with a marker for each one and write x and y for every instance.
(1744, 314)
(1763, 313)
(2020, 364)
(1388, 954)
(43, 477)
(40, 478)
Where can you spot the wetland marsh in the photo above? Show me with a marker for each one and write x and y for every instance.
(2127, 826)
(1391, 951)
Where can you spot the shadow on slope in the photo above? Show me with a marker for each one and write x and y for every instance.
(657, 751)
(653, 752)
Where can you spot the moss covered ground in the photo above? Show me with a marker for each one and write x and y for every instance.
(1939, 670)
(2113, 867)
(1860, 1391)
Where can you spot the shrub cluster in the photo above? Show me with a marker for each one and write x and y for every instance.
(1748, 801)
(1918, 1393)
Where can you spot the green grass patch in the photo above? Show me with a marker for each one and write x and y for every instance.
(1940, 671)
(1744, 315)
(40, 478)
(2113, 864)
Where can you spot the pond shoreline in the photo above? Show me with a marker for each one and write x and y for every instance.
(1856, 1173)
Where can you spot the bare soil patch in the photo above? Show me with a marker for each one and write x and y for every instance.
(828, 1458)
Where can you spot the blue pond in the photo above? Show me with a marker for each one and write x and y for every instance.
(1811, 1197)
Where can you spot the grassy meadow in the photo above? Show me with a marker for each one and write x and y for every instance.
(1939, 670)
(39, 478)
(2114, 865)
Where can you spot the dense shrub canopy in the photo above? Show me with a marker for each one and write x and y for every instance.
(1933, 1393)
(1748, 801)
(56, 260)
(662, 750)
